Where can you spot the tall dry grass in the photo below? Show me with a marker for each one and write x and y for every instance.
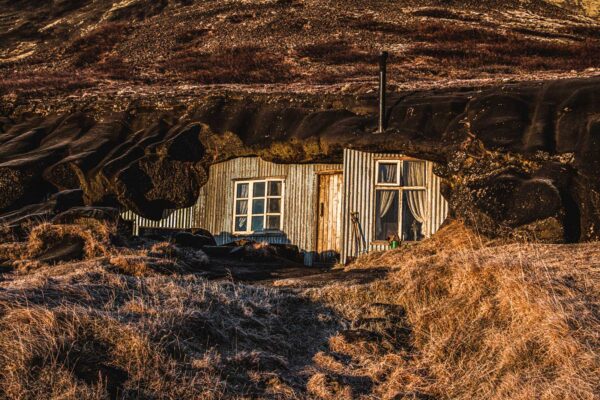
(501, 321)
(456, 317)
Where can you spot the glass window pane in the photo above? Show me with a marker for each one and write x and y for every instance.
(413, 214)
(258, 206)
(258, 223)
(274, 206)
(241, 224)
(241, 207)
(258, 189)
(273, 222)
(386, 214)
(275, 188)
(387, 173)
(413, 173)
(242, 190)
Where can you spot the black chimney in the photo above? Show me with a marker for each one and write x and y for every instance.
(382, 86)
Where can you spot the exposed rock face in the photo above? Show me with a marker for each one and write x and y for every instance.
(519, 160)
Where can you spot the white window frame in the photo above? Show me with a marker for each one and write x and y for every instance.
(398, 172)
(394, 186)
(251, 198)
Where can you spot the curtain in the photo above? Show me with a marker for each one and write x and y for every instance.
(386, 200)
(243, 209)
(387, 173)
(415, 176)
(243, 190)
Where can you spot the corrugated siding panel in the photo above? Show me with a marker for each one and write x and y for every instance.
(214, 209)
(359, 196)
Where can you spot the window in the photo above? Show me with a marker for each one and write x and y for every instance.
(258, 206)
(400, 199)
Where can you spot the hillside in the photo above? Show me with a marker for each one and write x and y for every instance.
(296, 45)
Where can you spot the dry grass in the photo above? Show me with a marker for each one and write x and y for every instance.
(45, 81)
(457, 317)
(501, 321)
(241, 64)
(336, 52)
(113, 326)
(92, 46)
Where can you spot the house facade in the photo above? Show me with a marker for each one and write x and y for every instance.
(332, 212)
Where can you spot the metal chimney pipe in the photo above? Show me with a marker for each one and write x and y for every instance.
(382, 88)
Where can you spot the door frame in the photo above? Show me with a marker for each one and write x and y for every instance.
(319, 174)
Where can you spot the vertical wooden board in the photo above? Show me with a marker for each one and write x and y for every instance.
(329, 220)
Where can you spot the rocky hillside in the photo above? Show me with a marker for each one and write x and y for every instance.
(301, 45)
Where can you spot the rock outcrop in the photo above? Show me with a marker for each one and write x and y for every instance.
(521, 159)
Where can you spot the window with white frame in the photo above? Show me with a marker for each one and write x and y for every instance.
(400, 199)
(258, 206)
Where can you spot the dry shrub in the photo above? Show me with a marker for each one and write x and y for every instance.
(92, 334)
(43, 81)
(161, 258)
(94, 234)
(466, 47)
(453, 235)
(136, 265)
(508, 321)
(241, 64)
(92, 46)
(444, 13)
(336, 52)
(326, 387)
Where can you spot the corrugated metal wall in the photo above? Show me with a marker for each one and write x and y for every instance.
(214, 209)
(359, 197)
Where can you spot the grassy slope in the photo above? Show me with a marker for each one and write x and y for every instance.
(455, 318)
(296, 44)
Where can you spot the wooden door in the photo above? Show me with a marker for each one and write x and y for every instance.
(329, 208)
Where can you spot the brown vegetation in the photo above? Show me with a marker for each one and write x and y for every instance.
(336, 52)
(92, 46)
(493, 321)
(242, 64)
(149, 42)
(458, 317)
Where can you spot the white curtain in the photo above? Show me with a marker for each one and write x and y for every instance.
(387, 173)
(386, 200)
(243, 190)
(415, 176)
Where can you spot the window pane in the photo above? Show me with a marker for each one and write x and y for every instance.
(258, 189)
(275, 188)
(386, 214)
(274, 205)
(258, 206)
(241, 207)
(242, 190)
(387, 173)
(413, 173)
(413, 214)
(241, 224)
(273, 222)
(258, 223)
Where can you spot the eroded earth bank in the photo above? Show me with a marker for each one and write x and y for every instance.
(516, 160)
